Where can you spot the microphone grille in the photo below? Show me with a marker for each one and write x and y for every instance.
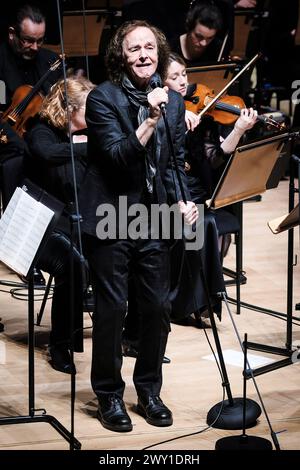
(155, 81)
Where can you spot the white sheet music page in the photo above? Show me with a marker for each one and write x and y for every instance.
(22, 228)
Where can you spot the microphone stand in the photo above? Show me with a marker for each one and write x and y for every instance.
(243, 441)
(226, 414)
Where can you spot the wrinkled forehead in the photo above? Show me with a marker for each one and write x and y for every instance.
(139, 37)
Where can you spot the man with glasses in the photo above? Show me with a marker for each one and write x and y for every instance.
(22, 59)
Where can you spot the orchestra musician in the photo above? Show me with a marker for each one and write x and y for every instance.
(49, 161)
(22, 61)
(205, 154)
(22, 58)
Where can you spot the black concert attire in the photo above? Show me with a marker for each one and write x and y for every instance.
(204, 159)
(16, 71)
(119, 166)
(49, 166)
(12, 149)
(209, 55)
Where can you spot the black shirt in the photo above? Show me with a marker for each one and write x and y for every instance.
(16, 71)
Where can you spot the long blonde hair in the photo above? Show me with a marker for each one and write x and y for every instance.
(54, 106)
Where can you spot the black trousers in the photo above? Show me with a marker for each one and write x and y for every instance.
(109, 264)
(55, 259)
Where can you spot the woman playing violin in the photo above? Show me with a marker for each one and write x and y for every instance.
(206, 149)
(204, 154)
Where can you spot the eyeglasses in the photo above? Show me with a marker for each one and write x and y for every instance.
(28, 41)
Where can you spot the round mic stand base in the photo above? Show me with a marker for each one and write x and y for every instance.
(229, 415)
(243, 442)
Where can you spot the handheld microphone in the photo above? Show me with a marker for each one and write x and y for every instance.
(155, 82)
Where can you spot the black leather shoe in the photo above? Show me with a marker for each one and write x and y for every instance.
(61, 359)
(130, 351)
(195, 320)
(154, 411)
(112, 414)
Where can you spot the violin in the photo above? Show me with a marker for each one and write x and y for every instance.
(210, 100)
(26, 102)
(225, 110)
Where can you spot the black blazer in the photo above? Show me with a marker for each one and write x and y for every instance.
(116, 158)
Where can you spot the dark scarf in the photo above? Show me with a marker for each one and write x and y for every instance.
(138, 99)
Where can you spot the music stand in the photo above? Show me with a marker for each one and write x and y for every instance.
(217, 75)
(247, 171)
(258, 164)
(278, 225)
(40, 229)
(245, 175)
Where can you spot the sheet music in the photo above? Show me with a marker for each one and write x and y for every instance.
(22, 228)
(285, 222)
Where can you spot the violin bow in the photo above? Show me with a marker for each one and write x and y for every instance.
(218, 96)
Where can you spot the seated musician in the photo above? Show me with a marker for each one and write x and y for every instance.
(23, 61)
(22, 58)
(201, 42)
(206, 149)
(51, 168)
(204, 155)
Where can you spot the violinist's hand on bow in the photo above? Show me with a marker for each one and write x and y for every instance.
(189, 211)
(246, 120)
(191, 120)
(155, 98)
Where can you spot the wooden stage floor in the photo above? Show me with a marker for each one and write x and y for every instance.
(191, 381)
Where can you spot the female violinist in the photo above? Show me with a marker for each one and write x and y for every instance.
(49, 165)
(206, 148)
(205, 153)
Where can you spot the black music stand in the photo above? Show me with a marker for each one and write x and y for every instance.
(56, 207)
(245, 175)
(278, 225)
